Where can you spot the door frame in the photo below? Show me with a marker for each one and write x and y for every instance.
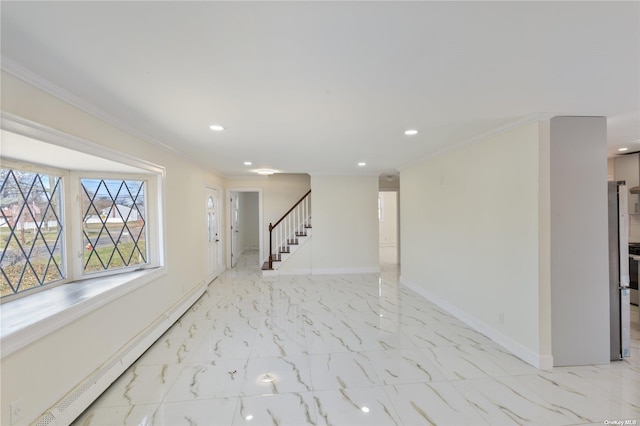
(260, 223)
(398, 228)
(220, 264)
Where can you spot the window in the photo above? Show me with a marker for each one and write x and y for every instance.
(49, 205)
(31, 230)
(111, 221)
(113, 224)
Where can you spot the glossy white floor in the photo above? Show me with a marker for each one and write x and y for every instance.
(348, 350)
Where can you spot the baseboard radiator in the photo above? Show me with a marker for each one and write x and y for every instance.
(82, 396)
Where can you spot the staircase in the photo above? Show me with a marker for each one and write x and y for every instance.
(288, 232)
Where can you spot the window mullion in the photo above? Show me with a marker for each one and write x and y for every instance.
(73, 215)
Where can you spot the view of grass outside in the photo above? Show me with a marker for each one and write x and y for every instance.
(113, 224)
(30, 230)
(100, 251)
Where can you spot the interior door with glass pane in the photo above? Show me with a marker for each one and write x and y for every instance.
(235, 228)
(213, 237)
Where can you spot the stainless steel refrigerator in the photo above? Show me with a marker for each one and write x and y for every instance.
(619, 291)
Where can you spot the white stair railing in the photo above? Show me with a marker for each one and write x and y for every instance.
(285, 232)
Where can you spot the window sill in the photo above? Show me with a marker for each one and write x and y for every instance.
(30, 318)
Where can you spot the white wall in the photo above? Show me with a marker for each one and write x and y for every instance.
(345, 224)
(469, 235)
(510, 234)
(75, 351)
(279, 193)
(579, 241)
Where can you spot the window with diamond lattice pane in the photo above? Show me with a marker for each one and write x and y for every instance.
(114, 224)
(31, 230)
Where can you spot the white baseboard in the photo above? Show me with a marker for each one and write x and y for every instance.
(294, 271)
(316, 271)
(332, 271)
(537, 360)
(82, 396)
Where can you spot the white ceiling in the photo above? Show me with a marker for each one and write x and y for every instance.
(316, 87)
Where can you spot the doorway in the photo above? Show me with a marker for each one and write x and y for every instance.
(388, 227)
(214, 254)
(245, 217)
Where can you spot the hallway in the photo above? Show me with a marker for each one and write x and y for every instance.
(348, 350)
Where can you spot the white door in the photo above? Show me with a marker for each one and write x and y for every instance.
(213, 237)
(235, 228)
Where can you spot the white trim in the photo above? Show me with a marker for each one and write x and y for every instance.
(23, 335)
(537, 360)
(332, 271)
(28, 128)
(298, 271)
(151, 173)
(260, 224)
(252, 176)
(82, 395)
(219, 208)
(75, 246)
(368, 173)
(328, 271)
(482, 136)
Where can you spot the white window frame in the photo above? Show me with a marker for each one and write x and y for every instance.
(32, 315)
(76, 240)
(152, 174)
(64, 177)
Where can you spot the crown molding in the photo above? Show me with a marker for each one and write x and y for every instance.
(25, 74)
(482, 136)
(253, 176)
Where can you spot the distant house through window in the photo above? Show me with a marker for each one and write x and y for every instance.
(31, 230)
(61, 224)
(33, 227)
(113, 223)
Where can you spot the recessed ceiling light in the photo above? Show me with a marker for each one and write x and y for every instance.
(365, 409)
(362, 164)
(411, 132)
(623, 149)
(216, 127)
(248, 163)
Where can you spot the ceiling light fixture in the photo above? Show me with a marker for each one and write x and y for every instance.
(623, 149)
(411, 132)
(216, 127)
(362, 164)
(365, 409)
(248, 163)
(265, 172)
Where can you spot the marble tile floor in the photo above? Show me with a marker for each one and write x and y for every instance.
(348, 350)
